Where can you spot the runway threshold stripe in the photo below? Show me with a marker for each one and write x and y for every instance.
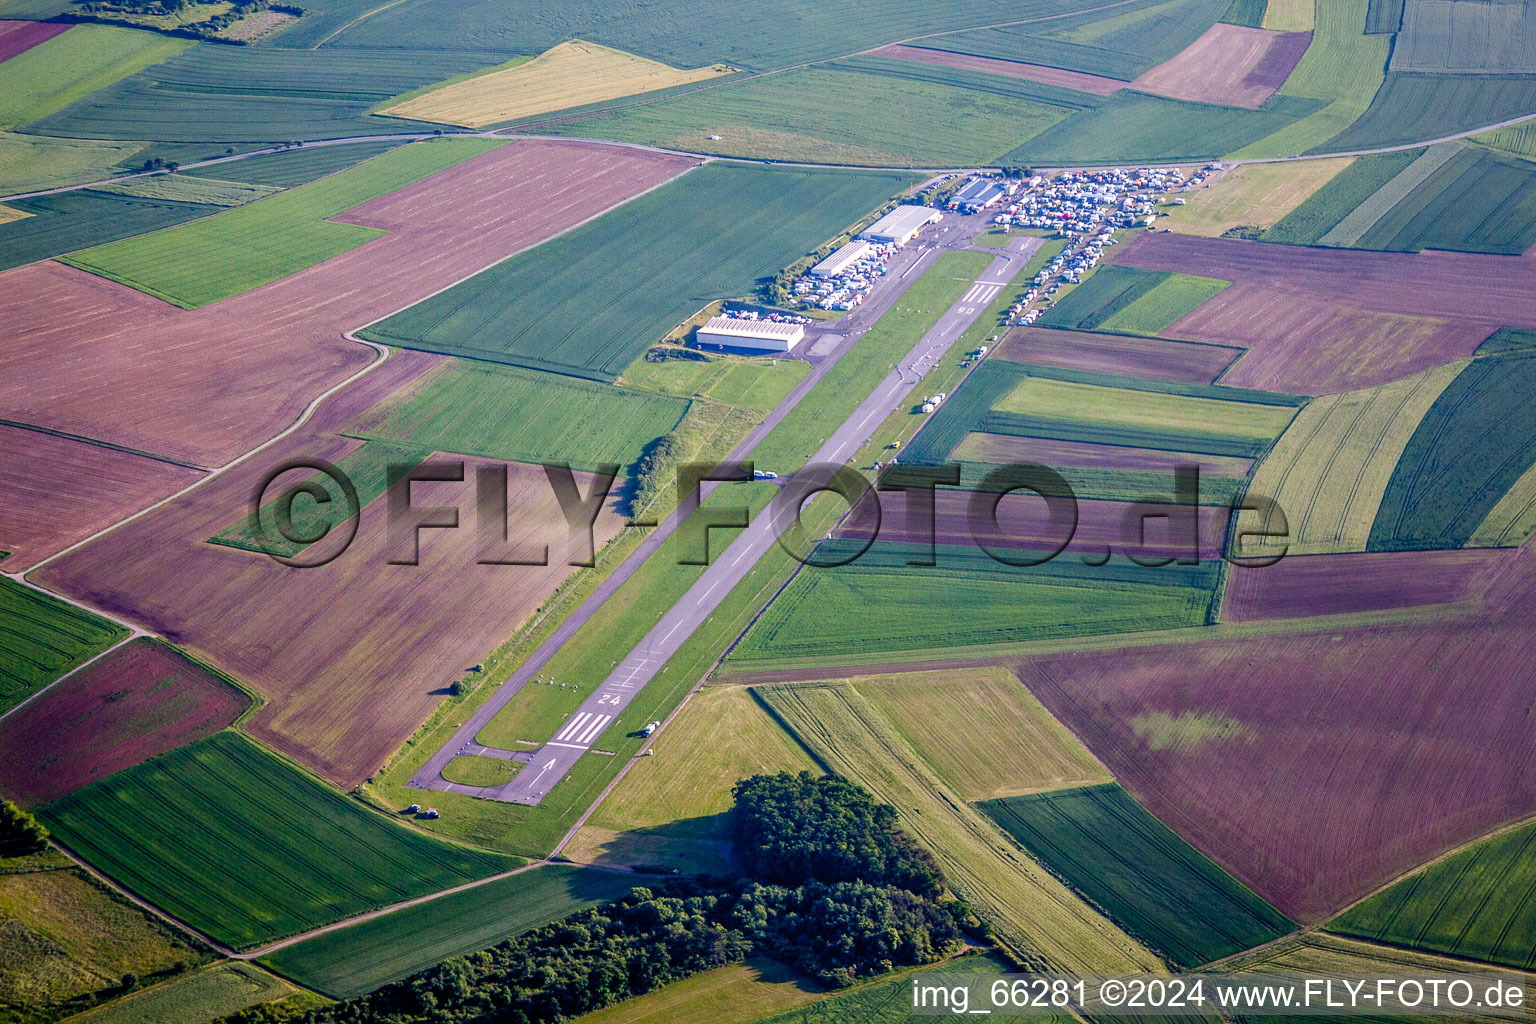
(573, 725)
(595, 727)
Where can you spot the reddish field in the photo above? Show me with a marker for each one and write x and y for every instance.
(1022, 523)
(1009, 68)
(1118, 353)
(140, 701)
(1317, 767)
(1230, 65)
(1317, 346)
(1322, 320)
(55, 491)
(97, 359)
(1473, 286)
(1305, 585)
(20, 36)
(1005, 449)
(354, 654)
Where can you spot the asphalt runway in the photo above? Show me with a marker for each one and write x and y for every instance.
(549, 763)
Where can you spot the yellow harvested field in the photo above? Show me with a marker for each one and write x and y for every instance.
(1124, 407)
(1329, 470)
(1033, 914)
(1253, 195)
(1319, 953)
(1512, 521)
(1289, 15)
(734, 994)
(571, 74)
(10, 213)
(1011, 745)
(722, 735)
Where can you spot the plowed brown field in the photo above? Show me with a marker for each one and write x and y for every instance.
(1316, 767)
(1121, 354)
(1299, 586)
(1322, 320)
(353, 654)
(100, 360)
(141, 700)
(1230, 65)
(55, 491)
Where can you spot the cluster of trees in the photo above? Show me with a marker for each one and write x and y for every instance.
(827, 921)
(653, 469)
(791, 829)
(20, 833)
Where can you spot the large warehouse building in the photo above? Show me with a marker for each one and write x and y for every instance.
(841, 260)
(902, 224)
(755, 335)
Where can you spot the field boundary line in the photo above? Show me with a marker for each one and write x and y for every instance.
(97, 442)
(134, 633)
(1444, 855)
(361, 17)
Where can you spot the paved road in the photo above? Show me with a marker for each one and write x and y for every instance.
(601, 710)
(954, 232)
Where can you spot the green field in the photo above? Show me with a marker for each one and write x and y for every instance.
(771, 34)
(1013, 746)
(263, 93)
(42, 638)
(74, 65)
(68, 941)
(1411, 107)
(832, 114)
(367, 468)
(1329, 205)
(239, 844)
(719, 738)
(1127, 300)
(292, 167)
(878, 607)
(1516, 140)
(741, 993)
(711, 234)
(1029, 910)
(1121, 41)
(1152, 883)
(351, 961)
(509, 413)
(75, 220)
(1098, 409)
(1470, 448)
(470, 770)
(1444, 36)
(1476, 201)
(1152, 313)
(1247, 13)
(30, 162)
(1133, 126)
(1123, 407)
(194, 264)
(1384, 17)
(209, 994)
(1106, 292)
(1476, 903)
(1342, 69)
(184, 188)
(756, 384)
